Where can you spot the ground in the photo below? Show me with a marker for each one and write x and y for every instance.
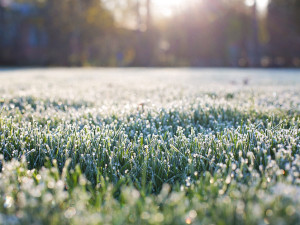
(149, 146)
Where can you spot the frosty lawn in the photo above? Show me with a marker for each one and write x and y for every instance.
(88, 146)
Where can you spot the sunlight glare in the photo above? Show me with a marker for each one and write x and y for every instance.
(261, 4)
(167, 7)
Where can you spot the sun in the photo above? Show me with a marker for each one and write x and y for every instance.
(167, 7)
(261, 4)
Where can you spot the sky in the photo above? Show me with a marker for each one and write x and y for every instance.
(167, 7)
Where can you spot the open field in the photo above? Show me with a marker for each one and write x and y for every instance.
(158, 146)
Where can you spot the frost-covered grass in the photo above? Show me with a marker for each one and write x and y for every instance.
(149, 147)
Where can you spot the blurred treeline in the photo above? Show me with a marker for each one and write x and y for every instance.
(128, 33)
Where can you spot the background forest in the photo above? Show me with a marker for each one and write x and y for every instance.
(129, 33)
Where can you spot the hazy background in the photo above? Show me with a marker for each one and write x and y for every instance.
(201, 33)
